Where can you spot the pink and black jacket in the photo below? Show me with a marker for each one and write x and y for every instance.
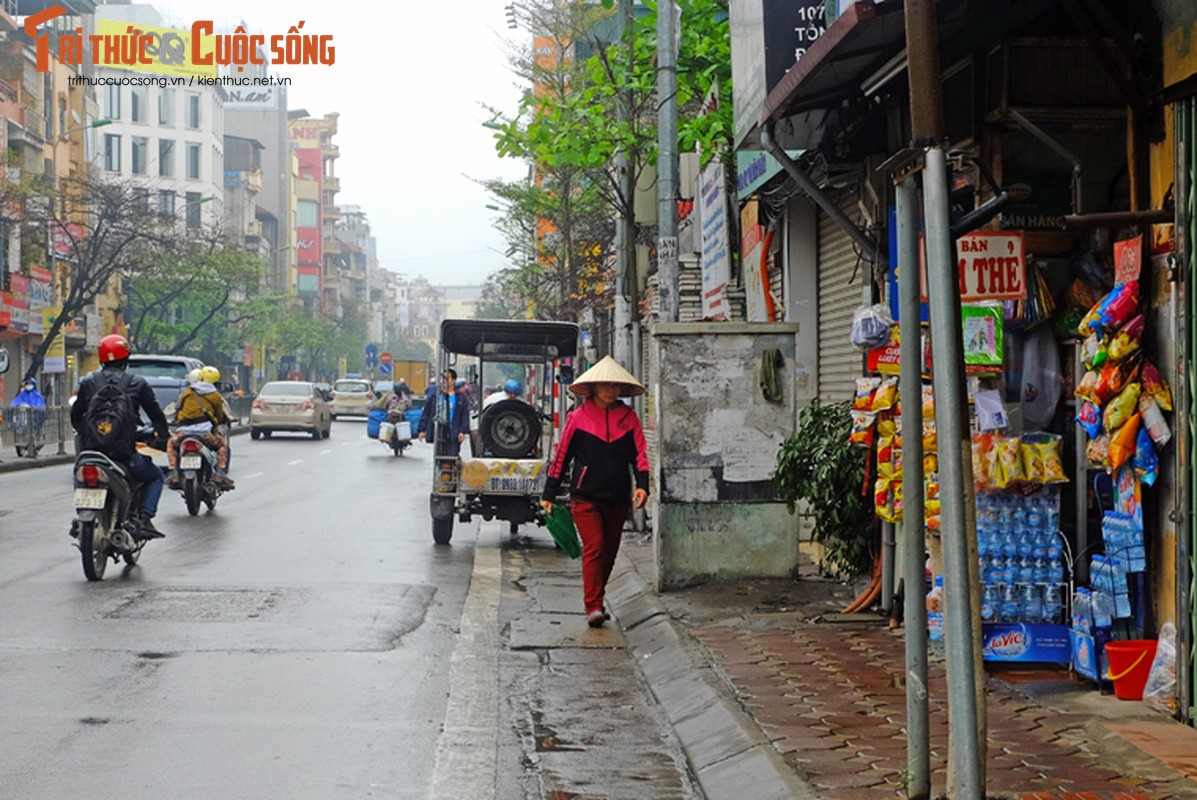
(601, 444)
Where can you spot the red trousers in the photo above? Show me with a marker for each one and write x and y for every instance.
(600, 529)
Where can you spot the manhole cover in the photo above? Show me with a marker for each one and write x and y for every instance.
(202, 605)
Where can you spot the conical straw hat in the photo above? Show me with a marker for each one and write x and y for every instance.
(607, 371)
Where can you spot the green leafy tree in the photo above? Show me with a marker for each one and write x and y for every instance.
(197, 300)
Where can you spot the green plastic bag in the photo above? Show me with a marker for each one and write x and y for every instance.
(561, 525)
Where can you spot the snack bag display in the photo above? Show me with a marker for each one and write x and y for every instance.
(928, 403)
(1122, 305)
(1089, 417)
(930, 438)
(885, 396)
(1098, 451)
(1032, 462)
(1147, 462)
(1122, 445)
(1153, 420)
(1009, 458)
(1122, 407)
(864, 393)
(1128, 340)
(1087, 388)
(1053, 460)
(1094, 351)
(1155, 385)
(1113, 378)
(864, 426)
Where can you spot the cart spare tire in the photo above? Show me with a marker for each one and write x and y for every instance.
(510, 429)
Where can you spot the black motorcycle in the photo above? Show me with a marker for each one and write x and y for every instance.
(197, 468)
(107, 522)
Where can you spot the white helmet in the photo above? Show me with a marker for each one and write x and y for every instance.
(193, 376)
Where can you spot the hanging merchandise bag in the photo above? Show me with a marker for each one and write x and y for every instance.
(1160, 689)
(871, 326)
(1041, 380)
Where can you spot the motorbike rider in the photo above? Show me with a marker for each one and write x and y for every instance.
(113, 353)
(402, 388)
(512, 390)
(200, 410)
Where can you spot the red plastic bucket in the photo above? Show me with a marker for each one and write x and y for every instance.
(1130, 663)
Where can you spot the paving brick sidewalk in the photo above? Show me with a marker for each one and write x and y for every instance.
(831, 697)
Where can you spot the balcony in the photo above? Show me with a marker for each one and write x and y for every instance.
(332, 183)
(331, 151)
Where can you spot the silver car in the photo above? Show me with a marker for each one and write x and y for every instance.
(290, 406)
(352, 397)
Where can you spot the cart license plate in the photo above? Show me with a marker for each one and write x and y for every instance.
(90, 498)
(516, 485)
(190, 462)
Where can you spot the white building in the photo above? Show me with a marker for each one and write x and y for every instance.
(166, 141)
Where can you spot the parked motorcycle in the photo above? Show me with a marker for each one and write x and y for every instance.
(107, 512)
(197, 466)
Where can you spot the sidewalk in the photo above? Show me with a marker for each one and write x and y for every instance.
(48, 456)
(826, 692)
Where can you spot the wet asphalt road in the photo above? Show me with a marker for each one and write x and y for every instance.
(307, 640)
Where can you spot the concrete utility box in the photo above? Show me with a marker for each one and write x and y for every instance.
(717, 516)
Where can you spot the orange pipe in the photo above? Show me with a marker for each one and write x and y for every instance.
(870, 592)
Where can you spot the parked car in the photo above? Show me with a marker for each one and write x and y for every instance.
(351, 396)
(290, 406)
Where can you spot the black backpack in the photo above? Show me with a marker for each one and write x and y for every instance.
(110, 422)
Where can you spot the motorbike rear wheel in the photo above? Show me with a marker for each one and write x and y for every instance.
(191, 493)
(94, 545)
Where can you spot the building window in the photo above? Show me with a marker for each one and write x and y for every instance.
(141, 199)
(309, 214)
(193, 161)
(166, 107)
(112, 102)
(166, 158)
(193, 110)
(193, 209)
(139, 100)
(166, 202)
(112, 152)
(141, 148)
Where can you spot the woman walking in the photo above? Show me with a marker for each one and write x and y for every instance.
(604, 443)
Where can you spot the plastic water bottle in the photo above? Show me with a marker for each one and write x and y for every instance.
(1053, 545)
(1026, 544)
(1009, 570)
(1010, 608)
(1039, 549)
(935, 614)
(1032, 604)
(1053, 604)
(989, 603)
(1055, 571)
(1039, 574)
(1026, 570)
(1009, 543)
(1035, 515)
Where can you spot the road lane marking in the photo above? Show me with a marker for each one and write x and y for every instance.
(293, 463)
(255, 475)
(467, 753)
(325, 452)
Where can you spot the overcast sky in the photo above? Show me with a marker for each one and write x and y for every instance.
(409, 83)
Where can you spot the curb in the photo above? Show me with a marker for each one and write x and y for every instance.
(21, 464)
(729, 753)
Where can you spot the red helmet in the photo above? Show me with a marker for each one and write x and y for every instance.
(113, 348)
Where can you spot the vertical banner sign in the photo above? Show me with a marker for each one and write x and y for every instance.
(750, 253)
(55, 361)
(716, 259)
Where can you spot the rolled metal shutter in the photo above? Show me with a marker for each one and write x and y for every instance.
(840, 364)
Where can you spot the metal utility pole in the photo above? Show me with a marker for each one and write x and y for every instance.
(625, 237)
(914, 612)
(667, 161)
(966, 698)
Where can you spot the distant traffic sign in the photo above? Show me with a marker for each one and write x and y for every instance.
(385, 358)
(384, 368)
(371, 355)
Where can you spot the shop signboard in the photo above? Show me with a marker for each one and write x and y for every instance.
(1128, 260)
(92, 327)
(41, 288)
(65, 239)
(1026, 642)
(992, 266)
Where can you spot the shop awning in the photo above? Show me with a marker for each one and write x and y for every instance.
(865, 48)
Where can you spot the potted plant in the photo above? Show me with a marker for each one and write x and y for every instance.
(818, 465)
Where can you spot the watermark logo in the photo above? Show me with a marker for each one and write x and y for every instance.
(198, 52)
